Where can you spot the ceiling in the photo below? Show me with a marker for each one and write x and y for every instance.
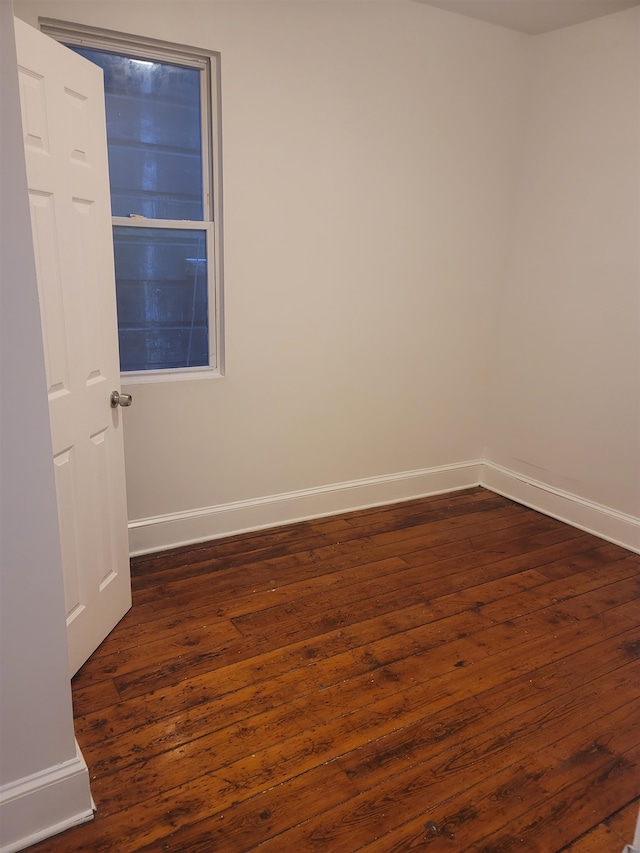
(533, 16)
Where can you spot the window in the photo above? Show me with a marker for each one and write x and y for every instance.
(164, 171)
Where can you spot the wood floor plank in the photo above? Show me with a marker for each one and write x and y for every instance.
(256, 581)
(456, 672)
(195, 641)
(623, 822)
(522, 790)
(459, 818)
(316, 539)
(251, 822)
(258, 543)
(403, 582)
(516, 725)
(568, 811)
(244, 704)
(165, 599)
(151, 677)
(223, 575)
(302, 654)
(314, 745)
(600, 840)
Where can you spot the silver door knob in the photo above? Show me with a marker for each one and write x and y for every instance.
(118, 399)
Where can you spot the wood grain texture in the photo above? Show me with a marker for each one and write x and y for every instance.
(447, 674)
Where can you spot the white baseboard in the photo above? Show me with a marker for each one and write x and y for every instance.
(147, 535)
(41, 805)
(586, 515)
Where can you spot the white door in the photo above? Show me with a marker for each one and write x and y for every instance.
(63, 121)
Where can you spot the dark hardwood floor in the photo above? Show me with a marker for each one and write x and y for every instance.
(448, 674)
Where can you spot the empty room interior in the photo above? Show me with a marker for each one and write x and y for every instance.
(384, 558)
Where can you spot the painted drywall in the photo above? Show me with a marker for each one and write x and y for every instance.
(36, 718)
(368, 156)
(431, 255)
(567, 369)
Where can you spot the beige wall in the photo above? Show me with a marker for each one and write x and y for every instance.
(368, 156)
(431, 255)
(567, 372)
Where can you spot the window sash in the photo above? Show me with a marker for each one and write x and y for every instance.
(207, 228)
(144, 48)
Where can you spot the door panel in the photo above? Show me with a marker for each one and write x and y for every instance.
(65, 143)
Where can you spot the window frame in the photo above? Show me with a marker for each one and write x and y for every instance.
(208, 64)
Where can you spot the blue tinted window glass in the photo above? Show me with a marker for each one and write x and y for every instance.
(154, 138)
(161, 288)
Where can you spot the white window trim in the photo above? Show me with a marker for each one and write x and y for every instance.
(208, 62)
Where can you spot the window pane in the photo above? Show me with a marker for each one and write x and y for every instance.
(154, 139)
(161, 287)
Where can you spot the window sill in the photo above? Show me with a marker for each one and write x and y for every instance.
(185, 374)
